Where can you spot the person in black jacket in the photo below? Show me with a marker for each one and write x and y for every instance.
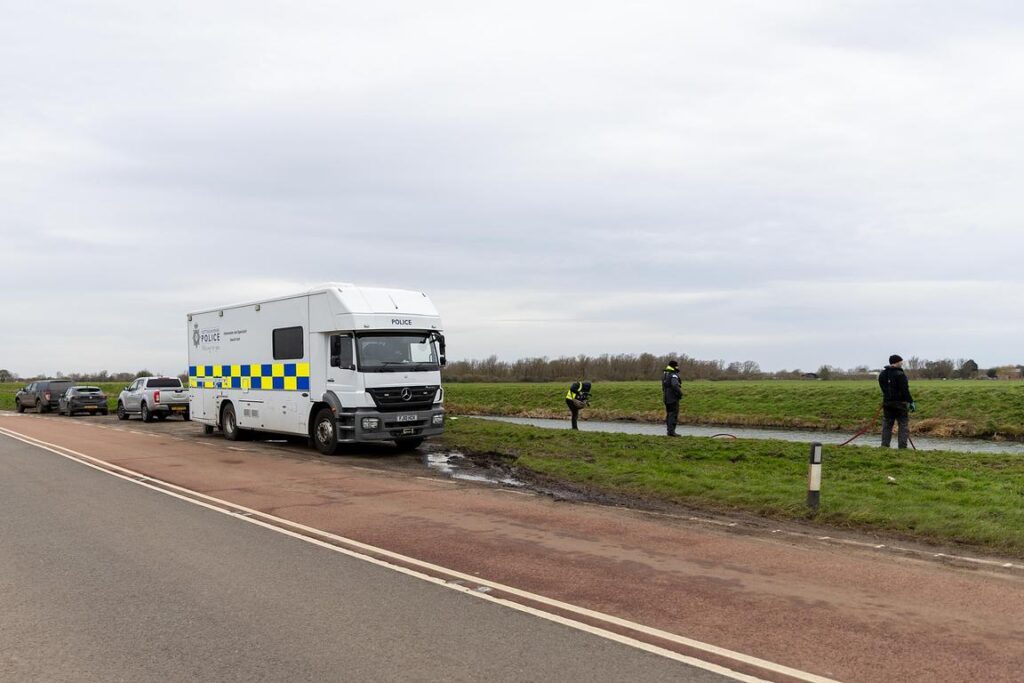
(897, 403)
(672, 393)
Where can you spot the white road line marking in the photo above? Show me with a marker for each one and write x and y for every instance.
(434, 480)
(258, 518)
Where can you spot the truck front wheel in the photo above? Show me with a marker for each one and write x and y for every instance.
(229, 423)
(325, 432)
(122, 414)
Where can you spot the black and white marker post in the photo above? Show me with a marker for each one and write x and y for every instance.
(814, 477)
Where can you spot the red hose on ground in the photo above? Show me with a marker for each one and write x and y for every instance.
(871, 425)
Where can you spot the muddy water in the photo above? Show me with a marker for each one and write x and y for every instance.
(457, 466)
(922, 443)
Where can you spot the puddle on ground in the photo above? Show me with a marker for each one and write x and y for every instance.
(923, 443)
(457, 466)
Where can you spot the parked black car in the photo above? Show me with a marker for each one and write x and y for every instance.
(43, 395)
(83, 400)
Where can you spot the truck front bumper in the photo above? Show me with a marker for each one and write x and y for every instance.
(368, 424)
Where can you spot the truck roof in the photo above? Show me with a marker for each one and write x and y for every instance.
(324, 288)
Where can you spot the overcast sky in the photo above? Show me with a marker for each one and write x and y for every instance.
(794, 182)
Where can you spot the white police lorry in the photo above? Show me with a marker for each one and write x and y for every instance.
(338, 364)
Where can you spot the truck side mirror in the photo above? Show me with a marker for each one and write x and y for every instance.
(335, 351)
(440, 348)
(341, 352)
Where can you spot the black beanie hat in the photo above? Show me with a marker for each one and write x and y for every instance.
(895, 358)
(674, 363)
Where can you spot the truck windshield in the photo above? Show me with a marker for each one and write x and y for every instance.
(402, 352)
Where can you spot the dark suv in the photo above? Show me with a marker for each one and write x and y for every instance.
(43, 395)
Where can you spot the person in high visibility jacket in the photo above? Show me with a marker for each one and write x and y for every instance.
(577, 398)
(672, 393)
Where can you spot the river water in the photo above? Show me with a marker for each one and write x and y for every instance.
(923, 443)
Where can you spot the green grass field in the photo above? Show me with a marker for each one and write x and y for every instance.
(970, 499)
(9, 389)
(945, 408)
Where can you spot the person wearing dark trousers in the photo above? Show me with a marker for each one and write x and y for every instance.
(672, 393)
(897, 403)
(577, 398)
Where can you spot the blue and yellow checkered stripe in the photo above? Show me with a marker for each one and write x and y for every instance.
(262, 376)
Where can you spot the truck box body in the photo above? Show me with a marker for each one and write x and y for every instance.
(360, 352)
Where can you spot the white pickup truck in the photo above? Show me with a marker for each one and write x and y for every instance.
(153, 397)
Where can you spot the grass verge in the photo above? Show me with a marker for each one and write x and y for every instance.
(956, 498)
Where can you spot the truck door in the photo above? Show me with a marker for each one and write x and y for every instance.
(341, 369)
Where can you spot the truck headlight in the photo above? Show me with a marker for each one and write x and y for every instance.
(371, 423)
(437, 419)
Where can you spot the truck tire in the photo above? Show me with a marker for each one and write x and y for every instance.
(122, 414)
(409, 444)
(325, 432)
(187, 415)
(146, 415)
(41, 407)
(229, 423)
(17, 406)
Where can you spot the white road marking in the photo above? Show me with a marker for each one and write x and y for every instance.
(264, 520)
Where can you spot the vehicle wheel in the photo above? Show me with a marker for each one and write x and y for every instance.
(409, 444)
(42, 408)
(229, 423)
(160, 416)
(325, 432)
(146, 415)
(17, 406)
(187, 415)
(122, 414)
(207, 429)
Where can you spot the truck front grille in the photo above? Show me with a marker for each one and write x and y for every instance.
(392, 399)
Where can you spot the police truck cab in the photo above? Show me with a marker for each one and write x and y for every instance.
(338, 364)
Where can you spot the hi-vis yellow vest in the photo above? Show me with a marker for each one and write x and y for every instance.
(574, 394)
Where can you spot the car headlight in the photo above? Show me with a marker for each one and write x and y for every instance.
(437, 419)
(371, 423)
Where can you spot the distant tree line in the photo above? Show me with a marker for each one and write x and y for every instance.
(98, 376)
(606, 368)
(646, 366)
(944, 368)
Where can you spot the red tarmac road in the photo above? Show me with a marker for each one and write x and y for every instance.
(839, 612)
